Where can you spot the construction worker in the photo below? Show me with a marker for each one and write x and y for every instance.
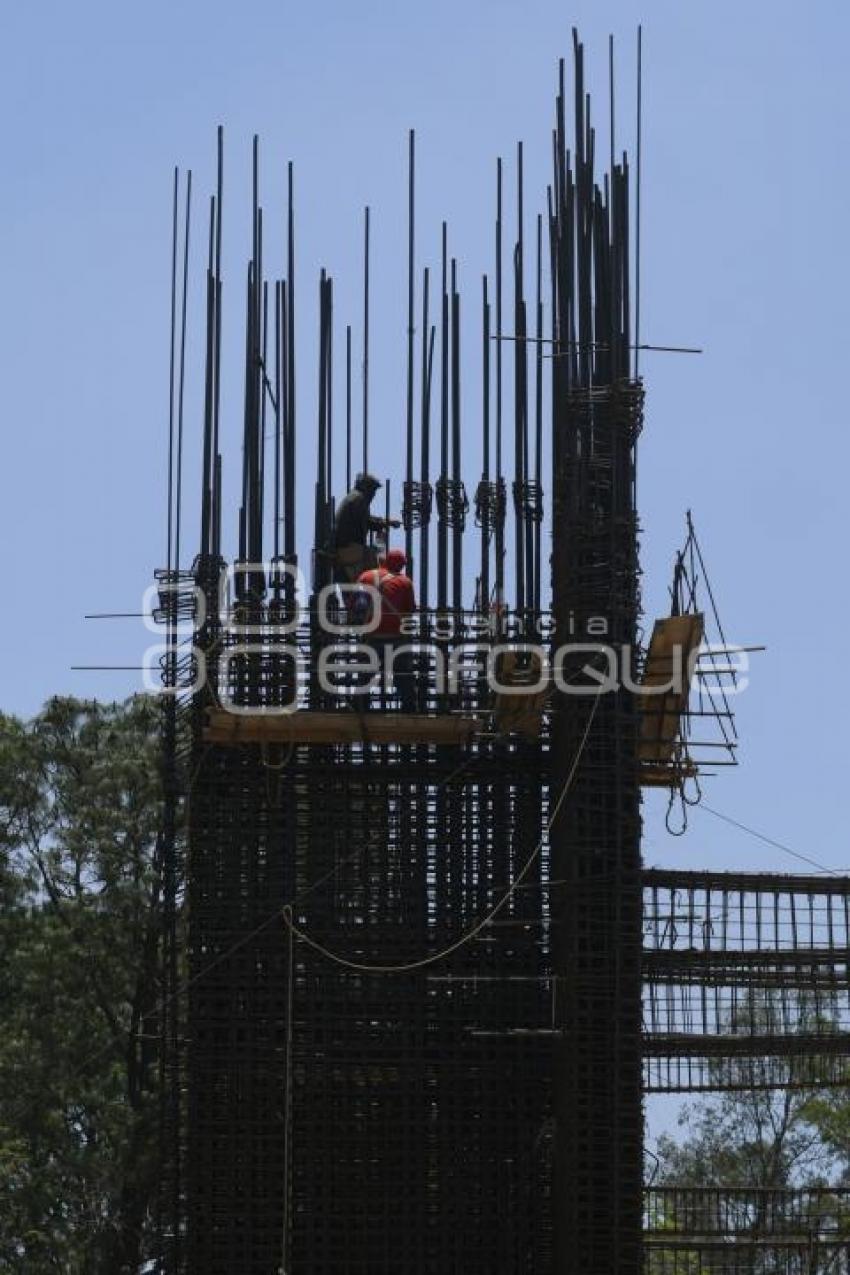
(352, 551)
(396, 599)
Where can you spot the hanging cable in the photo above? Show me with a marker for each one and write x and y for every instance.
(770, 841)
(476, 929)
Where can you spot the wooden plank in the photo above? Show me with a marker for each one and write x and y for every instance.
(660, 776)
(661, 712)
(520, 714)
(312, 727)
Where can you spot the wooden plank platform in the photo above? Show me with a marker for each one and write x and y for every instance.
(313, 727)
(652, 776)
(660, 713)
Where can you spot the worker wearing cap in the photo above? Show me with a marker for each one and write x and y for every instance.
(396, 599)
(352, 551)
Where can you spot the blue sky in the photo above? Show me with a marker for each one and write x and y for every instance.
(745, 209)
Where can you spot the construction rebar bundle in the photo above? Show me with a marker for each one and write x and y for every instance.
(415, 981)
(596, 911)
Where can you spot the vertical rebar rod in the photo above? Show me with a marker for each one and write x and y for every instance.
(500, 528)
(366, 342)
(538, 424)
(638, 193)
(264, 346)
(168, 1202)
(278, 392)
(425, 443)
(246, 437)
(321, 440)
(457, 519)
(321, 448)
(207, 493)
(217, 296)
(284, 408)
(520, 399)
(614, 228)
(329, 288)
(625, 269)
(488, 506)
(259, 390)
(182, 377)
(411, 194)
(611, 102)
(291, 449)
(442, 528)
(348, 407)
(171, 373)
(253, 355)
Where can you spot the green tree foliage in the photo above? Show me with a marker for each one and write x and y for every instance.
(80, 920)
(829, 1112)
(752, 1138)
(757, 1136)
(755, 1141)
(80, 894)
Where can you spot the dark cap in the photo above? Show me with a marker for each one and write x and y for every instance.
(367, 482)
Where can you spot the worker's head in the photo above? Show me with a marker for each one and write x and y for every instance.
(395, 560)
(368, 484)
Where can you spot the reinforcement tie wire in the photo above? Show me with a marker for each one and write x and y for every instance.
(217, 960)
(469, 935)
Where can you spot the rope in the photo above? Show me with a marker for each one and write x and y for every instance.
(676, 832)
(244, 939)
(476, 929)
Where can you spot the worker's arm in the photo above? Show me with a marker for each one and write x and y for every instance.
(381, 524)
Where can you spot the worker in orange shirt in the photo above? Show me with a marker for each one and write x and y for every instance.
(396, 599)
